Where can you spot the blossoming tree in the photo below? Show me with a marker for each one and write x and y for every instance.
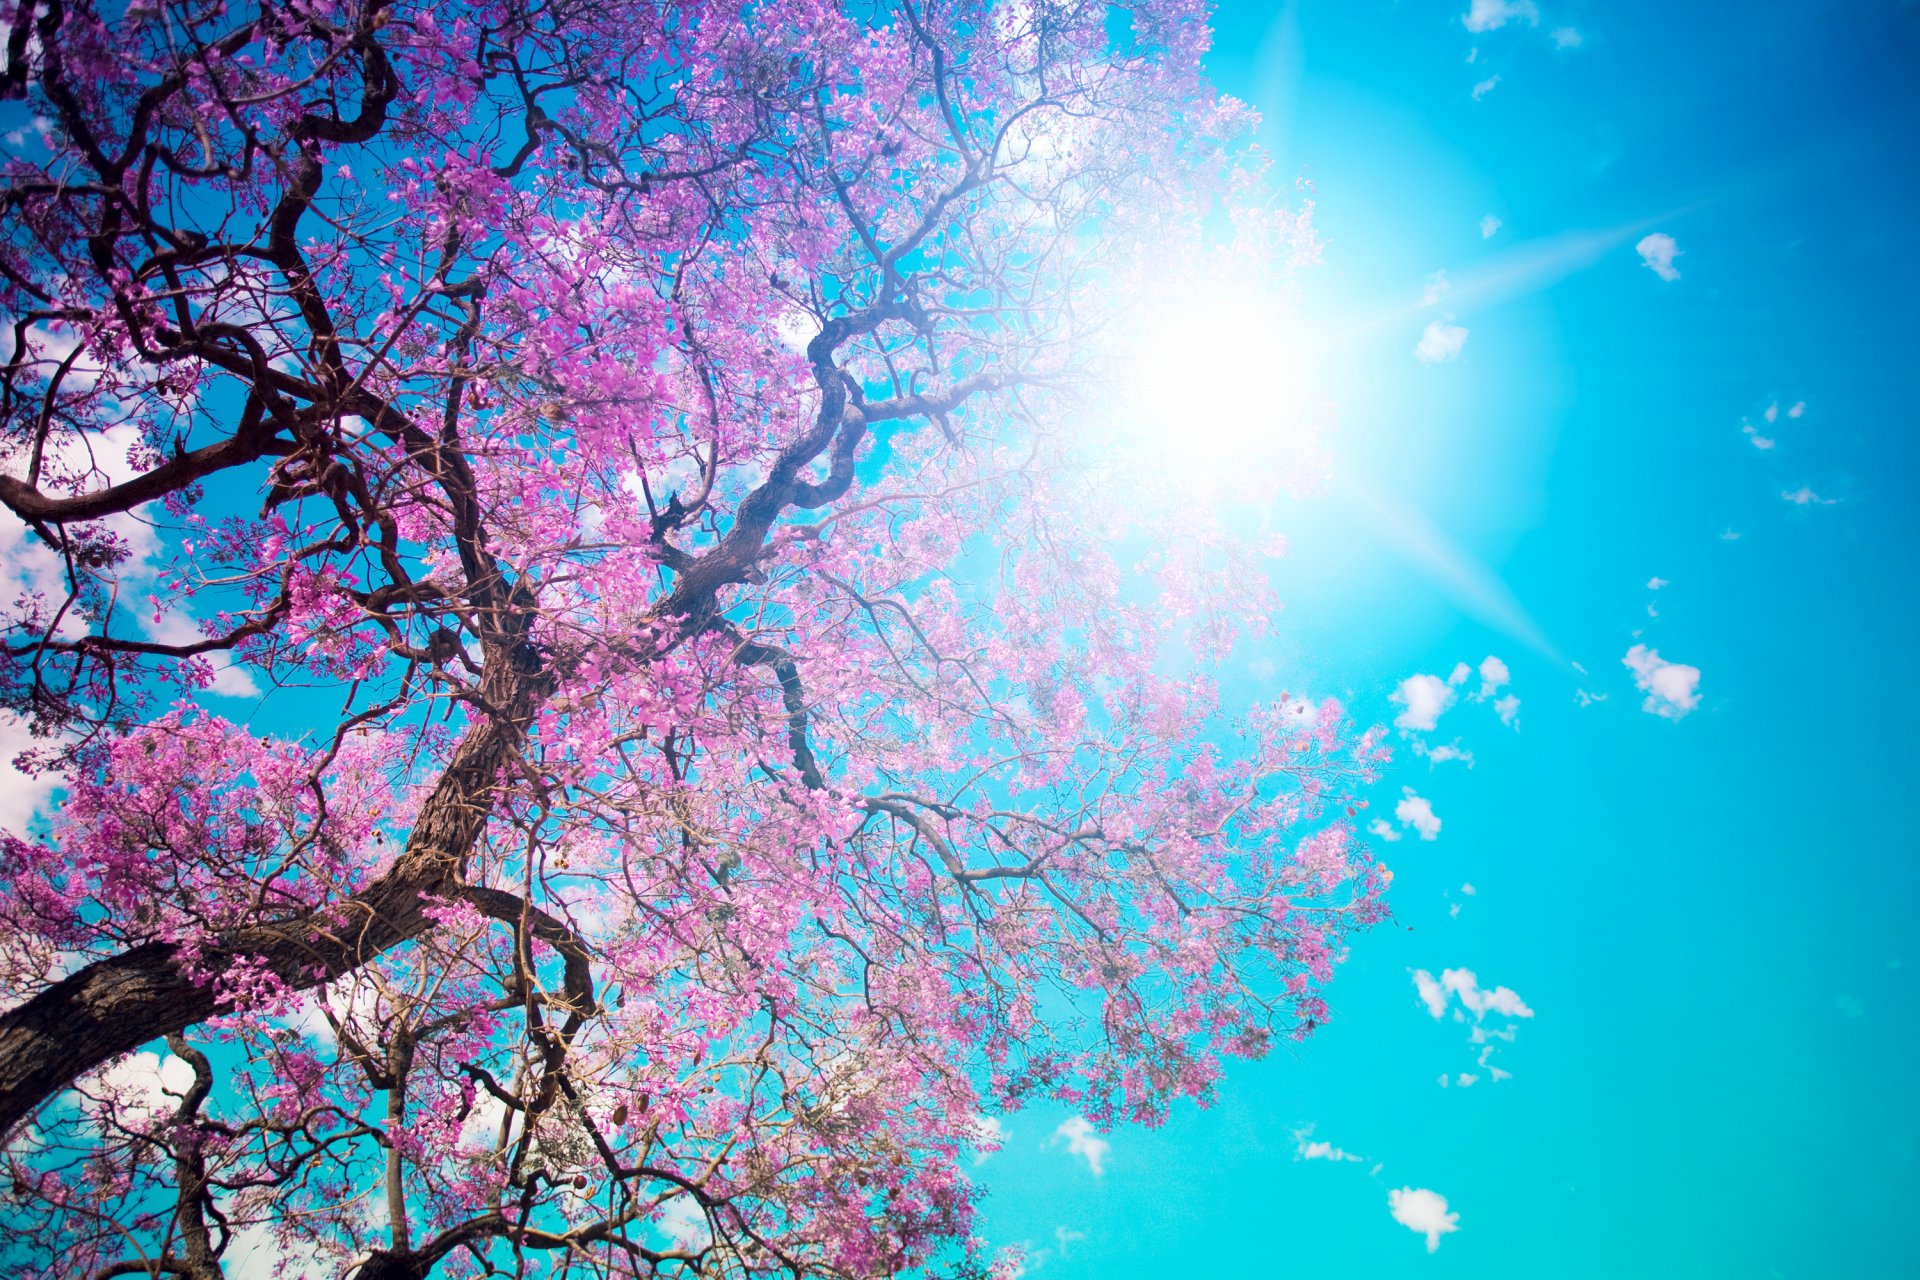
(725, 732)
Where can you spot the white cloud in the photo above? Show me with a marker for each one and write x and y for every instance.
(21, 794)
(1440, 342)
(1449, 751)
(1425, 699)
(1431, 992)
(1658, 252)
(1418, 1209)
(1383, 829)
(1729, 535)
(1491, 15)
(177, 628)
(1501, 1000)
(989, 1136)
(1508, 709)
(1489, 225)
(1493, 677)
(1805, 497)
(1469, 890)
(136, 1088)
(1307, 1149)
(1755, 438)
(260, 1251)
(684, 1222)
(1082, 1140)
(1417, 812)
(1672, 688)
(1655, 584)
(1478, 1000)
(1485, 87)
(1567, 38)
(1460, 674)
(1799, 408)
(1437, 287)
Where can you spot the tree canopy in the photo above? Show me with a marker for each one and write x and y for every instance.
(731, 726)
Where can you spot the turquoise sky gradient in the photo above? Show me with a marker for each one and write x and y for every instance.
(1710, 917)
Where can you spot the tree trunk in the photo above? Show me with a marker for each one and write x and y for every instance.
(116, 1005)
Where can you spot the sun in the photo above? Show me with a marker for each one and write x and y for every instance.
(1214, 381)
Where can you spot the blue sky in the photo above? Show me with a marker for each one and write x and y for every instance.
(1708, 913)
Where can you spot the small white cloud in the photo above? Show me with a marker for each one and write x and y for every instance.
(1799, 408)
(1491, 15)
(1493, 675)
(1383, 829)
(1437, 287)
(1425, 699)
(1805, 497)
(1417, 812)
(1672, 688)
(1485, 87)
(1586, 699)
(1655, 584)
(1754, 437)
(1567, 38)
(1851, 1007)
(1468, 889)
(1658, 251)
(1082, 1140)
(1773, 412)
(1441, 342)
(1460, 674)
(1418, 1209)
(1508, 709)
(1306, 1149)
(1489, 225)
(1729, 535)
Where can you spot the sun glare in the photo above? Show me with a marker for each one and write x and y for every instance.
(1206, 383)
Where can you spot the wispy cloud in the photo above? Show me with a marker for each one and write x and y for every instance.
(1440, 342)
(1084, 1141)
(1805, 497)
(1491, 15)
(1306, 1149)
